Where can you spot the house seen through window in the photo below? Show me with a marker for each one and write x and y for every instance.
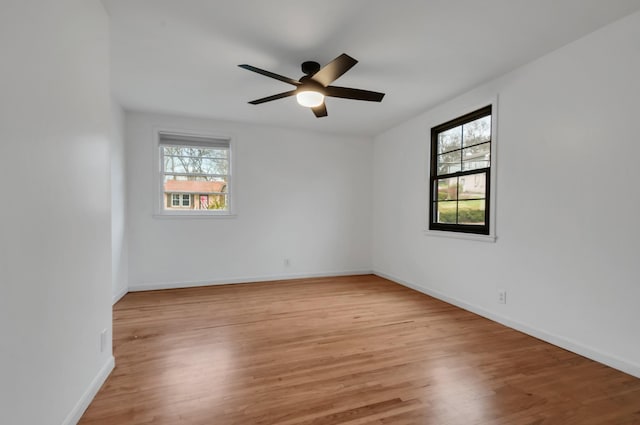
(460, 174)
(195, 174)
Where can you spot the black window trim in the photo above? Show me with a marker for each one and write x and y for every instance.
(485, 229)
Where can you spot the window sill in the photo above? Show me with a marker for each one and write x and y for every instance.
(180, 214)
(460, 235)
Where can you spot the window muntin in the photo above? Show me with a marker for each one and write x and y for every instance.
(195, 174)
(460, 174)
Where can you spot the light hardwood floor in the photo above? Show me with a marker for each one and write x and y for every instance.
(346, 350)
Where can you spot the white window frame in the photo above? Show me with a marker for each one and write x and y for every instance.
(180, 198)
(452, 113)
(159, 210)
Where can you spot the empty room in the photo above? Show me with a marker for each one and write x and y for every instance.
(317, 213)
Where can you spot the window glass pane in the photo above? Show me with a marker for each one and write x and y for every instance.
(195, 160)
(199, 188)
(450, 140)
(197, 165)
(215, 153)
(449, 162)
(471, 212)
(195, 151)
(214, 166)
(446, 212)
(478, 156)
(173, 165)
(473, 186)
(448, 189)
(478, 131)
(191, 179)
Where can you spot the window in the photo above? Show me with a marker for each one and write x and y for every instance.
(195, 174)
(461, 174)
(180, 200)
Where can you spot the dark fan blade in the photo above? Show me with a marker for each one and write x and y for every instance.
(334, 69)
(274, 97)
(320, 111)
(271, 74)
(357, 94)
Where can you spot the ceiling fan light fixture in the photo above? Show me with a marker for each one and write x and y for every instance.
(311, 89)
(309, 98)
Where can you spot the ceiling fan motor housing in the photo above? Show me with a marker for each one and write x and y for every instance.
(310, 67)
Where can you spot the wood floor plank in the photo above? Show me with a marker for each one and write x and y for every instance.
(356, 350)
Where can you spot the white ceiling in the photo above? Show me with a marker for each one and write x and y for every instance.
(181, 56)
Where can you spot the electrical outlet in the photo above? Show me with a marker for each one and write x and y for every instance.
(287, 262)
(103, 340)
(502, 296)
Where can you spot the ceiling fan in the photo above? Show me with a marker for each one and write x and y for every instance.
(314, 86)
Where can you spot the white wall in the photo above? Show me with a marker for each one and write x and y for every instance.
(119, 253)
(55, 271)
(298, 195)
(567, 201)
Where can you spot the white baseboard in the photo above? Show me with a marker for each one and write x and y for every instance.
(78, 410)
(267, 278)
(563, 342)
(119, 295)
